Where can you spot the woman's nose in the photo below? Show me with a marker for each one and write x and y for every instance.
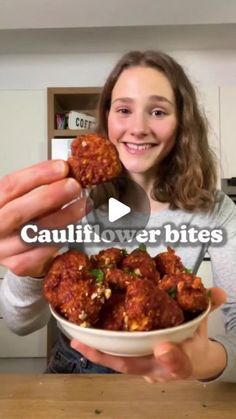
(139, 126)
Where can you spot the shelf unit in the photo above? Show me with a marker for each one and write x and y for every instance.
(65, 99)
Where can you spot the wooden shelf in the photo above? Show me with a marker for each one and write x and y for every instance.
(67, 133)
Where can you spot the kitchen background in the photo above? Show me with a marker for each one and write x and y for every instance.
(75, 44)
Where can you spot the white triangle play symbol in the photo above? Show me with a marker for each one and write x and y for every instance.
(117, 210)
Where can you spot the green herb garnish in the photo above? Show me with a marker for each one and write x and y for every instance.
(98, 273)
(128, 271)
(172, 292)
(125, 253)
(142, 247)
(189, 271)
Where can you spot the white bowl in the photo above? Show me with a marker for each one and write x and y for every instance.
(128, 343)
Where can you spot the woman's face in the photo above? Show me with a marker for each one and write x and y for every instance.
(142, 120)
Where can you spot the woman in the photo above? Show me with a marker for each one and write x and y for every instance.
(149, 111)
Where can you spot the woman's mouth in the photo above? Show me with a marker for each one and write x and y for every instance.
(138, 148)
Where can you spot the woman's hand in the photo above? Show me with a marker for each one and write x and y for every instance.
(195, 358)
(35, 193)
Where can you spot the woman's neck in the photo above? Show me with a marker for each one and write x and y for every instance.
(136, 194)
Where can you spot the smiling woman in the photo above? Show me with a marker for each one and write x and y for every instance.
(148, 110)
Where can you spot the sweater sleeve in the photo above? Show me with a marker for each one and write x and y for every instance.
(22, 303)
(223, 259)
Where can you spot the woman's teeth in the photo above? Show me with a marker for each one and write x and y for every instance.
(139, 146)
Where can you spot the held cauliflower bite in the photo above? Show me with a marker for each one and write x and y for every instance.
(141, 263)
(108, 258)
(93, 160)
(168, 262)
(69, 266)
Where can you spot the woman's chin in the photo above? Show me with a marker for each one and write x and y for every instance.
(136, 169)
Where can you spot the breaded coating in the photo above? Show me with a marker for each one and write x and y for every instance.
(82, 303)
(69, 266)
(94, 159)
(149, 308)
(169, 313)
(187, 289)
(112, 313)
(72, 290)
(141, 263)
(119, 279)
(140, 305)
(168, 262)
(192, 295)
(108, 258)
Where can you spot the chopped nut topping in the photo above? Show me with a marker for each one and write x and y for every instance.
(82, 315)
(94, 295)
(85, 324)
(107, 293)
(137, 271)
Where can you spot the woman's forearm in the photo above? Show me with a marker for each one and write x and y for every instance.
(23, 305)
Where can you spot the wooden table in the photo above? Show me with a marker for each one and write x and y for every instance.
(112, 397)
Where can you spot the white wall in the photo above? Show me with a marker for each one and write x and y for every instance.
(38, 71)
(38, 59)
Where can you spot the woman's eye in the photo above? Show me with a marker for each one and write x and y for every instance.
(158, 112)
(123, 111)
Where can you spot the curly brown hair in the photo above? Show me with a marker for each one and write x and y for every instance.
(186, 178)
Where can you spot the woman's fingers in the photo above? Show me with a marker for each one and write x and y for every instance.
(14, 245)
(23, 259)
(18, 183)
(174, 360)
(126, 365)
(36, 203)
(218, 297)
(35, 262)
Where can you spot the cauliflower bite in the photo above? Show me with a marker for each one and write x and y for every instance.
(141, 264)
(81, 302)
(187, 289)
(191, 294)
(169, 313)
(69, 266)
(149, 308)
(72, 289)
(108, 258)
(93, 160)
(119, 279)
(168, 262)
(112, 313)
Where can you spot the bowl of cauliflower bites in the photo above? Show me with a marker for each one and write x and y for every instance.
(125, 304)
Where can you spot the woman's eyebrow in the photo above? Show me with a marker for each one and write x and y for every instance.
(122, 99)
(157, 98)
(161, 99)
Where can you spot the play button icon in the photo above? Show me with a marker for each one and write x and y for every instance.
(121, 208)
(117, 210)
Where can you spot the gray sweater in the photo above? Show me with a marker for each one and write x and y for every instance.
(25, 310)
